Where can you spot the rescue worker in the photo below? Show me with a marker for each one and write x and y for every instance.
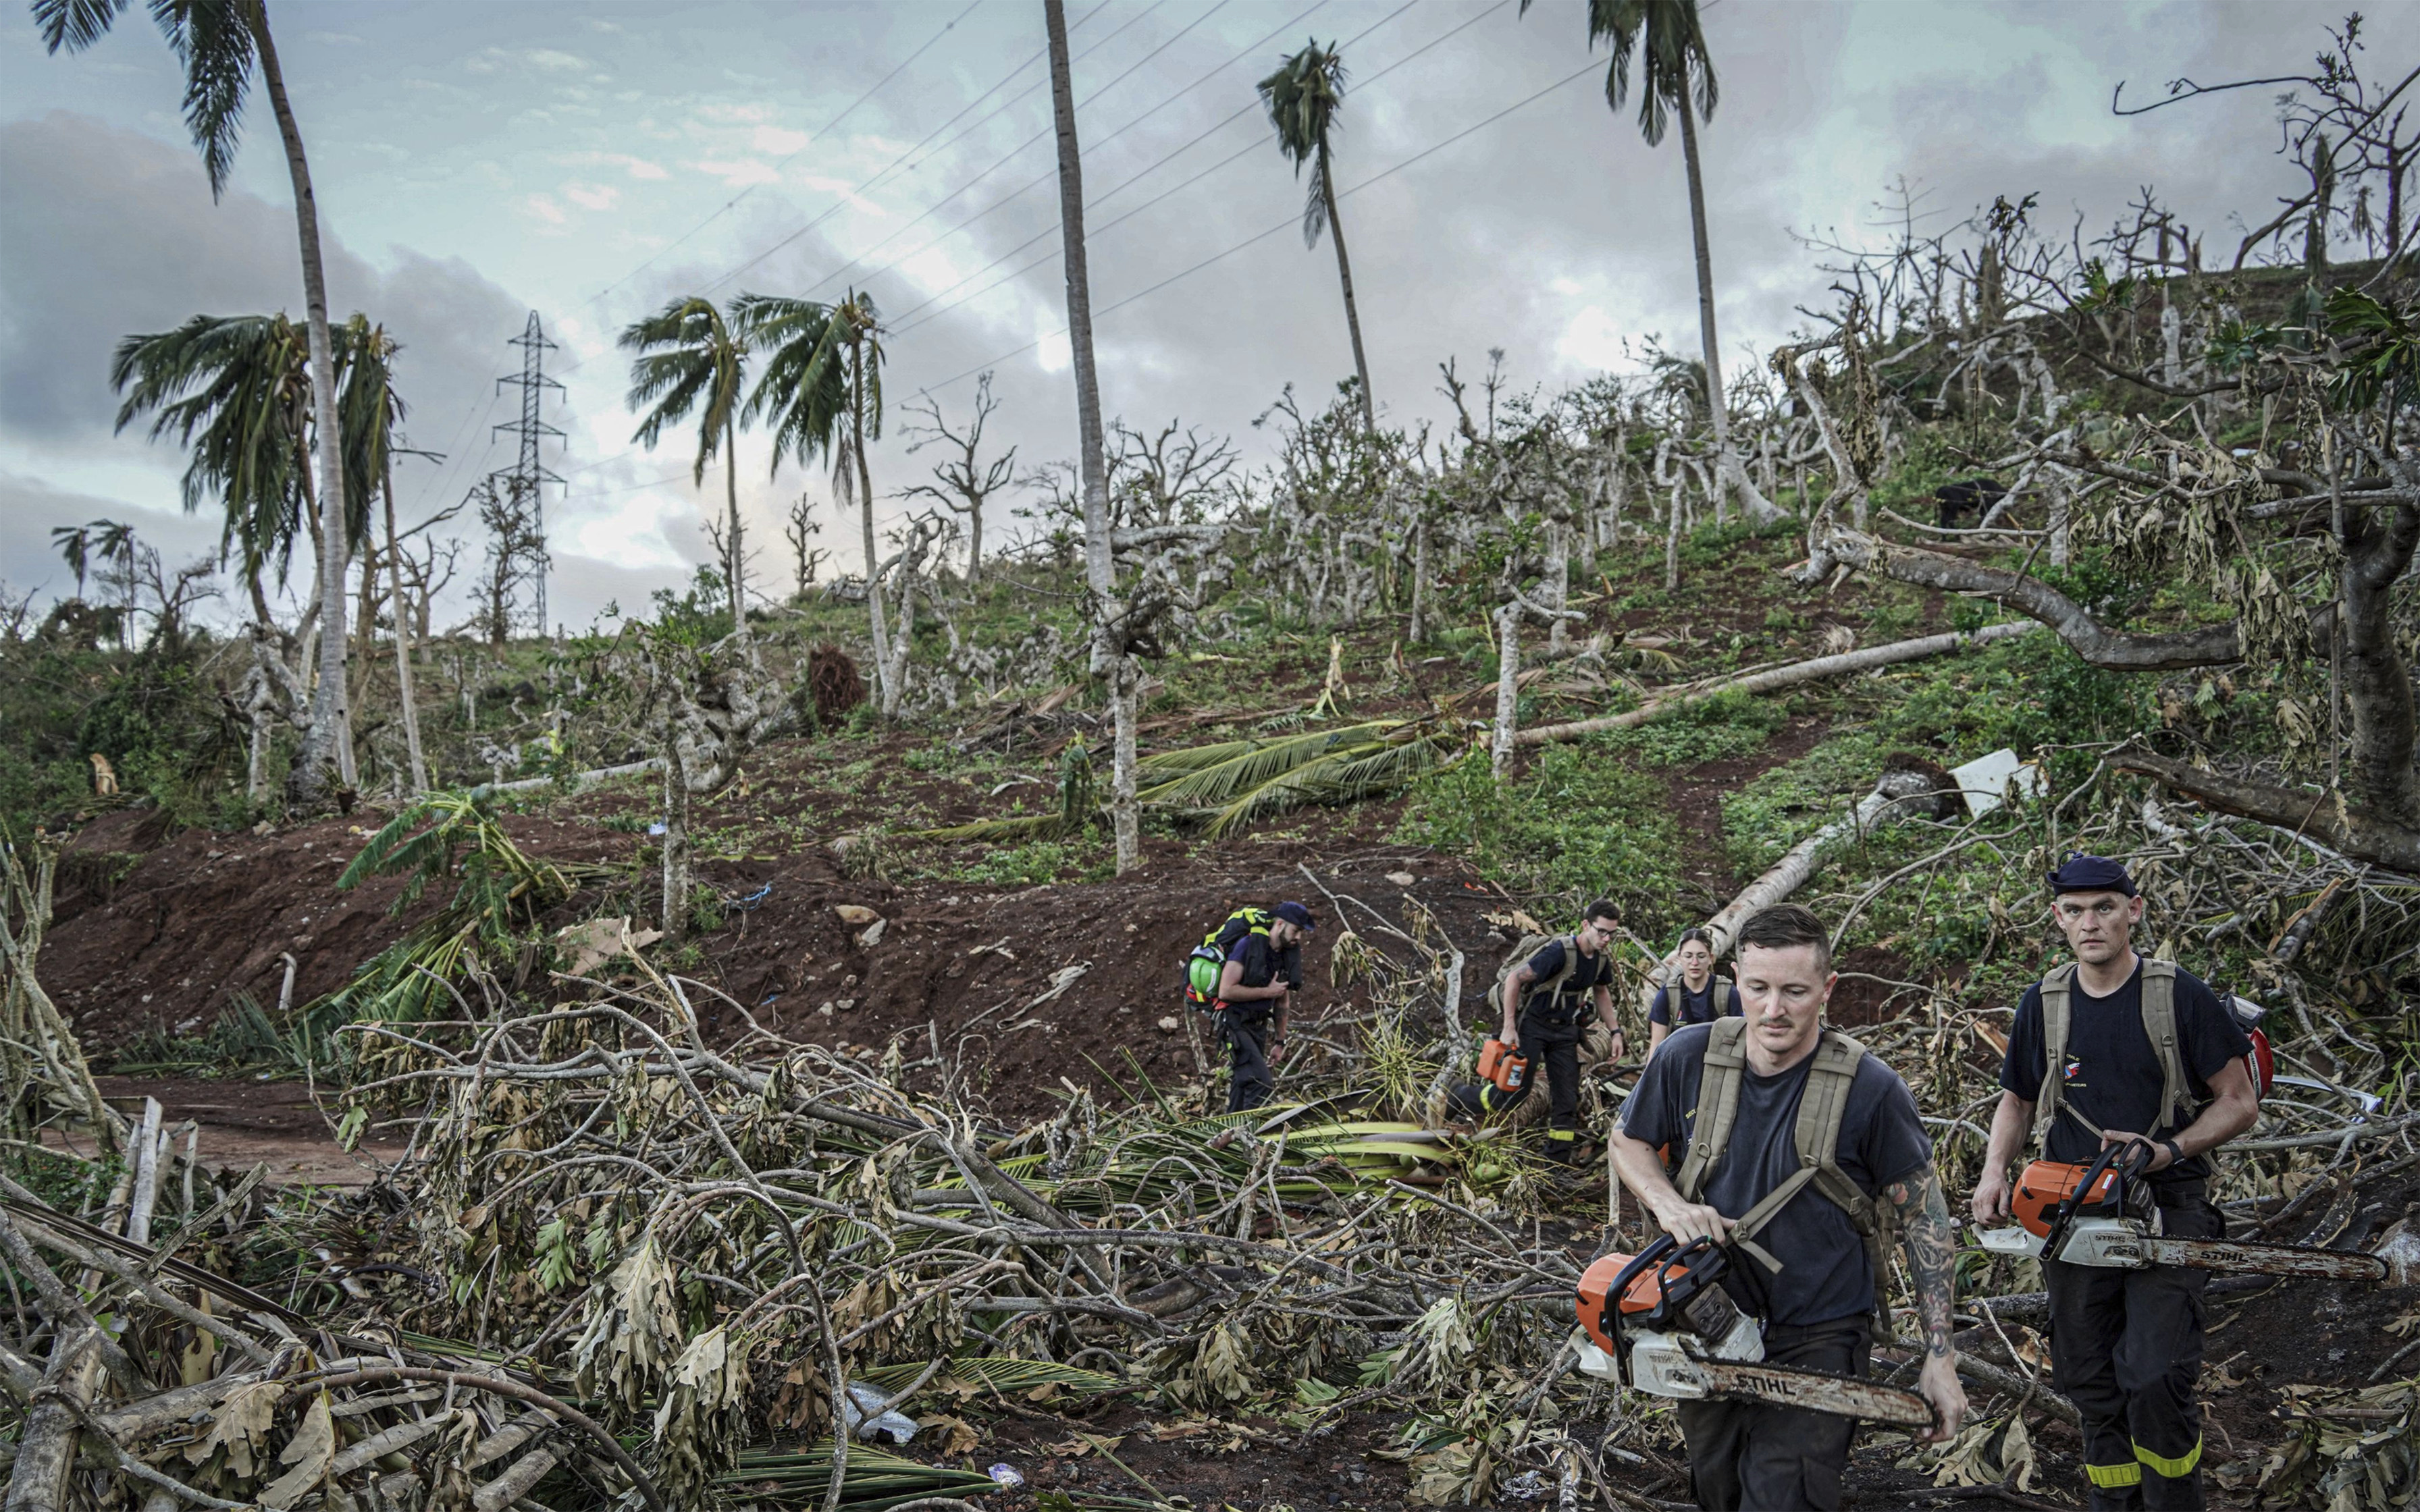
(2125, 1345)
(1544, 999)
(1729, 1096)
(1263, 967)
(1698, 996)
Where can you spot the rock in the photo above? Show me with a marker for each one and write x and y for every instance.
(1170, 1025)
(872, 935)
(856, 914)
(1401, 879)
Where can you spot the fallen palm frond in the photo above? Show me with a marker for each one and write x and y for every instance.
(1237, 782)
(1231, 783)
(1079, 806)
(498, 890)
(872, 1481)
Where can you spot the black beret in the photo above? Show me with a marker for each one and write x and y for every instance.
(2079, 872)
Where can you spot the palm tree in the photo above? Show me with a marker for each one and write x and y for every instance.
(219, 41)
(689, 359)
(234, 391)
(1303, 97)
(822, 388)
(1671, 48)
(371, 410)
(1110, 656)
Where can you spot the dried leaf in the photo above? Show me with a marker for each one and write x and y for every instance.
(240, 1426)
(311, 1449)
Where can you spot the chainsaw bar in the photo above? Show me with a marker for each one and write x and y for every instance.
(2265, 1260)
(1813, 1390)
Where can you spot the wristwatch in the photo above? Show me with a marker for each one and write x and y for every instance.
(2176, 1152)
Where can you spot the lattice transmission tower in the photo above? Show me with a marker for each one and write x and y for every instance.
(520, 485)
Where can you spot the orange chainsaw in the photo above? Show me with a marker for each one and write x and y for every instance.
(2102, 1214)
(1504, 1067)
(1664, 1313)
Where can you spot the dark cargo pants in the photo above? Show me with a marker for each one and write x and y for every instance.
(1752, 1457)
(1552, 1043)
(2125, 1348)
(1245, 1035)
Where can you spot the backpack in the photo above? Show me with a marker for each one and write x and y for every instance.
(1207, 960)
(2177, 1107)
(1832, 1072)
(1717, 988)
(1529, 944)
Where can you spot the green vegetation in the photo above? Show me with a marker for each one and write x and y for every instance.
(1579, 824)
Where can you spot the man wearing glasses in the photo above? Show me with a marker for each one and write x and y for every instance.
(1544, 998)
(2119, 1049)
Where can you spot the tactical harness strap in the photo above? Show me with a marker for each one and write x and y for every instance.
(2159, 1025)
(1817, 1136)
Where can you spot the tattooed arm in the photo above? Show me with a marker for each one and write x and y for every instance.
(1932, 1241)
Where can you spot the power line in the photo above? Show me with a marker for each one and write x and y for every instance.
(843, 199)
(1016, 152)
(732, 202)
(1262, 236)
(1092, 232)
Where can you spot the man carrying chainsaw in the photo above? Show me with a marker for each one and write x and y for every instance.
(1762, 1108)
(2134, 1053)
(1545, 997)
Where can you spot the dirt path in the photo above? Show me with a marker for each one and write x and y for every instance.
(243, 1123)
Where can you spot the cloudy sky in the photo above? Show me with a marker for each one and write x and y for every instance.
(590, 161)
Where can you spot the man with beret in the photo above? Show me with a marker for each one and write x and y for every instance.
(2117, 1049)
(1263, 966)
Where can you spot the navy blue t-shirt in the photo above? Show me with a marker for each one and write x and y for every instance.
(1693, 1007)
(2111, 1074)
(1825, 1274)
(1588, 973)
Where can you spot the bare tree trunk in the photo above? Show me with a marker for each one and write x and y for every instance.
(676, 852)
(1559, 583)
(1728, 475)
(735, 563)
(865, 502)
(2377, 683)
(1419, 578)
(1672, 542)
(1508, 687)
(1344, 274)
(2362, 835)
(1843, 665)
(1110, 657)
(974, 547)
(328, 738)
(402, 642)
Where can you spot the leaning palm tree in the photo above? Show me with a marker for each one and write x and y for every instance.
(691, 359)
(235, 394)
(219, 41)
(1674, 70)
(1303, 97)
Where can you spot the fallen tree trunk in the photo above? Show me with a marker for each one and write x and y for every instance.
(1846, 664)
(1890, 799)
(2212, 645)
(2322, 816)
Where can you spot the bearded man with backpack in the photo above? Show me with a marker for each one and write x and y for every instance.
(1245, 972)
(2119, 1049)
(1796, 1142)
(1543, 991)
